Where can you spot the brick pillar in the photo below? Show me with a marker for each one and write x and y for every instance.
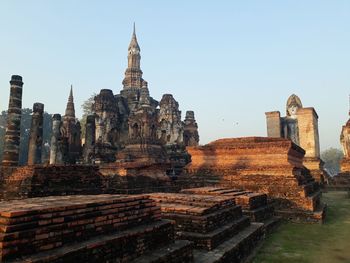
(56, 134)
(308, 132)
(36, 134)
(273, 123)
(191, 136)
(13, 128)
(89, 139)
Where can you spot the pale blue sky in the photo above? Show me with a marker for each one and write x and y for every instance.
(229, 61)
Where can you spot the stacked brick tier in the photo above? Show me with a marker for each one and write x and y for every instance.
(316, 167)
(254, 205)
(267, 165)
(342, 180)
(99, 228)
(38, 180)
(209, 221)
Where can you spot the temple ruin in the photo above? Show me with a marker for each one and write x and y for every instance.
(87, 204)
(13, 127)
(36, 135)
(341, 181)
(133, 126)
(301, 126)
(266, 165)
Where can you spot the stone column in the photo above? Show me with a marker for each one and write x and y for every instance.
(273, 122)
(56, 134)
(308, 132)
(191, 136)
(36, 135)
(89, 139)
(13, 128)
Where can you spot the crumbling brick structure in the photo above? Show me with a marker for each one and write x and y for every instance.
(254, 205)
(216, 225)
(85, 228)
(36, 135)
(13, 127)
(301, 126)
(341, 181)
(130, 127)
(266, 165)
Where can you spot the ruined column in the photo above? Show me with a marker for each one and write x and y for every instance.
(56, 134)
(36, 135)
(191, 136)
(13, 128)
(273, 121)
(89, 139)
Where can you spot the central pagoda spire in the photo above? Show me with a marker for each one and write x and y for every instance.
(70, 111)
(133, 74)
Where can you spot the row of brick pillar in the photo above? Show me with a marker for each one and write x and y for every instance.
(13, 127)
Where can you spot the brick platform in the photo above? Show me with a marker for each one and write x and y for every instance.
(101, 228)
(209, 221)
(254, 205)
(341, 181)
(266, 165)
(39, 180)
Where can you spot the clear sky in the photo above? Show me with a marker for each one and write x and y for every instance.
(229, 61)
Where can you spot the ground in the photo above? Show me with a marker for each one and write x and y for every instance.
(305, 243)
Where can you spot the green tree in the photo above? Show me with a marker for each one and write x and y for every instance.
(332, 158)
(87, 110)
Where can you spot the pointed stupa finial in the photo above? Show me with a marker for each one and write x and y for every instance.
(134, 46)
(70, 111)
(70, 98)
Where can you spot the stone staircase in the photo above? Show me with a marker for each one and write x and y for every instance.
(88, 228)
(254, 205)
(213, 223)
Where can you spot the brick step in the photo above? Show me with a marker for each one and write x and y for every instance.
(300, 203)
(297, 216)
(199, 223)
(215, 190)
(90, 215)
(57, 204)
(251, 200)
(279, 189)
(68, 219)
(254, 205)
(271, 224)
(207, 202)
(235, 249)
(246, 199)
(123, 246)
(212, 239)
(179, 252)
(309, 188)
(260, 214)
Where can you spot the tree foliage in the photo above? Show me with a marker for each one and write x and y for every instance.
(332, 158)
(87, 110)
